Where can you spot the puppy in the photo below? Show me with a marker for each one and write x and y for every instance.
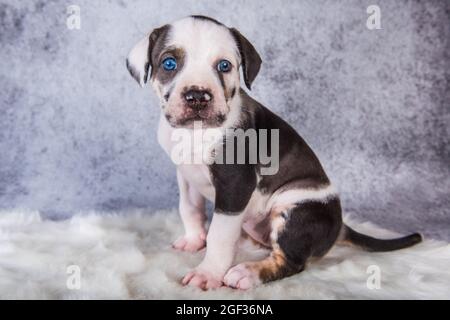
(194, 67)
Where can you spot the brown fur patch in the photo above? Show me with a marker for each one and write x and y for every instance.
(271, 268)
(158, 72)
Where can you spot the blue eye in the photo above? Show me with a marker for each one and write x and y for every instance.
(224, 66)
(169, 64)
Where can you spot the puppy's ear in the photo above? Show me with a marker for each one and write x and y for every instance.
(139, 60)
(251, 61)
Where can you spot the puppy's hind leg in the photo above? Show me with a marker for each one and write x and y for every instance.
(306, 230)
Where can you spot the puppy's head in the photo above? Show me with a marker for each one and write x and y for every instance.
(193, 65)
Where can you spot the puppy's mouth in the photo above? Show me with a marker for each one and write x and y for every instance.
(207, 119)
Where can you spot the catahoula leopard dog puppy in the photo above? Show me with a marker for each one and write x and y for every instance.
(194, 66)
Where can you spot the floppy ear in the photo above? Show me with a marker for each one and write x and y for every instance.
(139, 59)
(251, 61)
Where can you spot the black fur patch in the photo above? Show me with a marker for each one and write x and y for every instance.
(235, 183)
(310, 231)
(200, 17)
(373, 244)
(233, 92)
(298, 164)
(222, 80)
(251, 61)
(168, 93)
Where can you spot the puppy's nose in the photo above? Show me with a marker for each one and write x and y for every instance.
(197, 99)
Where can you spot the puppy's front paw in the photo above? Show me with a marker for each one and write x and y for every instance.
(190, 243)
(242, 277)
(202, 279)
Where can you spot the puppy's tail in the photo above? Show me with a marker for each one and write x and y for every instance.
(369, 243)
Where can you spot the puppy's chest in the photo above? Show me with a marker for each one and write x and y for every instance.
(188, 146)
(198, 174)
(189, 151)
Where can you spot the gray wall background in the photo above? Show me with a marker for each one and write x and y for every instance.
(77, 133)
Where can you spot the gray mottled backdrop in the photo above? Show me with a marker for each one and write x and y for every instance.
(77, 133)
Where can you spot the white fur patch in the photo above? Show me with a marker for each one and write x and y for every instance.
(127, 255)
(138, 58)
(203, 41)
(223, 234)
(292, 196)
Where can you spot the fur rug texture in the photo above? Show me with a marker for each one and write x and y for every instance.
(128, 256)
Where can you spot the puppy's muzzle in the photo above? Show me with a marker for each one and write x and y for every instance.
(198, 99)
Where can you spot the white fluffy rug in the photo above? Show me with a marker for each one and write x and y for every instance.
(128, 256)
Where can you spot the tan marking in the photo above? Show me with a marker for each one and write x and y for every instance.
(285, 197)
(277, 222)
(271, 268)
